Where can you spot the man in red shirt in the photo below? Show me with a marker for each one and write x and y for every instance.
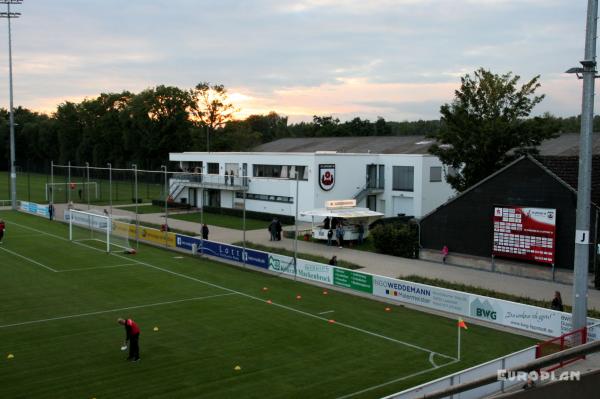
(132, 336)
(2, 228)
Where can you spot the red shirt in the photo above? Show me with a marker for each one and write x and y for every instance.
(2, 226)
(131, 327)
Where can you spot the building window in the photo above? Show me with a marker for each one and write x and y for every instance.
(403, 178)
(280, 171)
(213, 168)
(435, 174)
(265, 197)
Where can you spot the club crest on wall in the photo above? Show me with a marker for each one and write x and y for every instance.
(326, 176)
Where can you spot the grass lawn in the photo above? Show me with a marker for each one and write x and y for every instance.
(143, 209)
(59, 302)
(32, 186)
(215, 219)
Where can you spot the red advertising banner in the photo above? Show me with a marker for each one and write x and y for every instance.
(525, 233)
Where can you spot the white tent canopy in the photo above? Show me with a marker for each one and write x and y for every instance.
(344, 213)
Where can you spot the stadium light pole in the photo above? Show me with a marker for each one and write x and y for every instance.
(87, 188)
(109, 186)
(166, 200)
(296, 224)
(13, 172)
(69, 183)
(52, 182)
(135, 189)
(582, 218)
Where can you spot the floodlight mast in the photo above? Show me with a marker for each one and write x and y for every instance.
(582, 218)
(13, 172)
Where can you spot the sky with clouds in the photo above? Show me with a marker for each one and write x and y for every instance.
(400, 59)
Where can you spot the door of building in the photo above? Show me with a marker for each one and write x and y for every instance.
(372, 202)
(214, 198)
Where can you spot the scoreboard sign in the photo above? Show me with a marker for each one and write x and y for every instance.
(525, 233)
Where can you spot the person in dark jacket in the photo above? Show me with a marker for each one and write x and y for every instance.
(329, 236)
(132, 335)
(273, 230)
(205, 232)
(51, 211)
(557, 303)
(278, 229)
(333, 261)
(2, 228)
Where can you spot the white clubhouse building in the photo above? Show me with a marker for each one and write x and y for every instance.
(392, 175)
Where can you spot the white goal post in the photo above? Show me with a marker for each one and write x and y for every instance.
(96, 227)
(61, 187)
(111, 232)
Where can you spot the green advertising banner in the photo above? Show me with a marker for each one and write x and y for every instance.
(353, 280)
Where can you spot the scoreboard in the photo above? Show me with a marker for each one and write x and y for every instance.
(525, 233)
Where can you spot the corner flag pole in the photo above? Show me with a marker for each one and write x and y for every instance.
(461, 324)
(458, 326)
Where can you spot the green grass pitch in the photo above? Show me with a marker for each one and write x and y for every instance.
(59, 302)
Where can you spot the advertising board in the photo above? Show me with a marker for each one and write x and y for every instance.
(525, 233)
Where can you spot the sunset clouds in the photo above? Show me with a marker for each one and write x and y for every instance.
(400, 59)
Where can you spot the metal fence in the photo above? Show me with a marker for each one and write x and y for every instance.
(473, 374)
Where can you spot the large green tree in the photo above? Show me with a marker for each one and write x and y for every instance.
(211, 108)
(486, 126)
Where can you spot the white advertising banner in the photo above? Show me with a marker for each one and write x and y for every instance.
(281, 264)
(314, 271)
(36, 209)
(420, 294)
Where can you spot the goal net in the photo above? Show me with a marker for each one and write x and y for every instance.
(109, 233)
(78, 189)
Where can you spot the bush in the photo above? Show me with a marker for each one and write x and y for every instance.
(171, 204)
(284, 219)
(396, 239)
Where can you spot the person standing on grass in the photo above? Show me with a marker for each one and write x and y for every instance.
(557, 303)
(132, 335)
(329, 237)
(205, 232)
(51, 211)
(2, 228)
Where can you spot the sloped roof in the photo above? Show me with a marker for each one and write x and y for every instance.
(367, 144)
(567, 144)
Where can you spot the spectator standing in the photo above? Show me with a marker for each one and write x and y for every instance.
(132, 335)
(278, 229)
(445, 251)
(329, 236)
(557, 303)
(273, 230)
(231, 177)
(51, 211)
(361, 232)
(339, 234)
(226, 178)
(205, 232)
(2, 228)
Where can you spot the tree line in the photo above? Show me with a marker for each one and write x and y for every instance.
(142, 128)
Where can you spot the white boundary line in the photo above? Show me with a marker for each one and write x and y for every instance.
(327, 311)
(95, 267)
(29, 260)
(198, 298)
(247, 295)
(406, 377)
